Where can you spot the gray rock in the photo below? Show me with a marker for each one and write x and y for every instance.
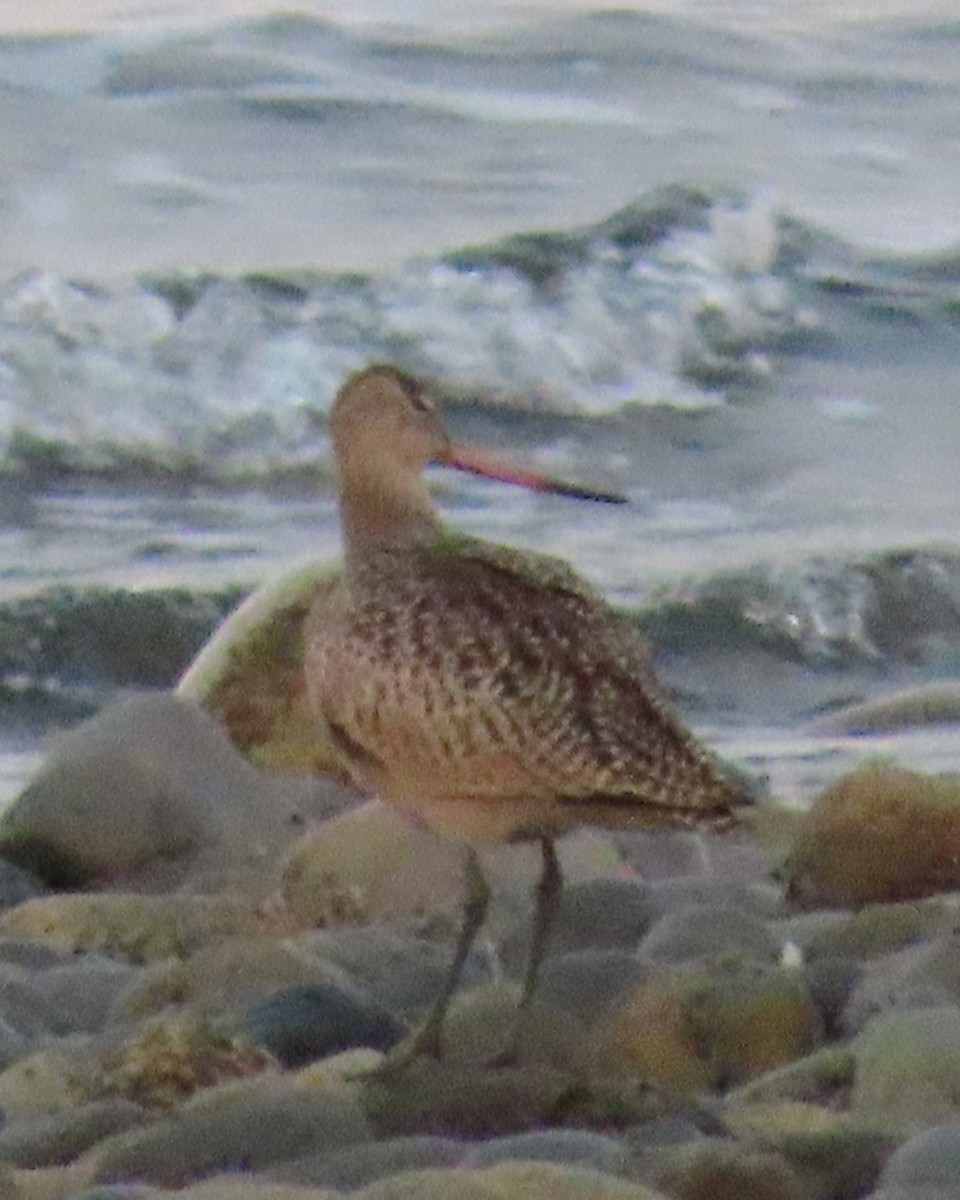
(68, 997)
(17, 884)
(933, 1191)
(832, 981)
(261, 1126)
(395, 965)
(368, 1161)
(700, 932)
(908, 1068)
(921, 976)
(664, 853)
(55, 1138)
(759, 897)
(586, 983)
(148, 781)
(600, 914)
(931, 1157)
(309, 1021)
(578, 1147)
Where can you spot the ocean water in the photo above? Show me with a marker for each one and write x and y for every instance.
(705, 254)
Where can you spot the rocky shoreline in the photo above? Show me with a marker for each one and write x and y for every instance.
(202, 967)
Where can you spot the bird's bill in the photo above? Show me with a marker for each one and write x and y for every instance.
(490, 465)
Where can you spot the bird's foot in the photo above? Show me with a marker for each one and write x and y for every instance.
(425, 1043)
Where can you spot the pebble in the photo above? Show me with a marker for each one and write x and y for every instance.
(695, 931)
(151, 784)
(930, 1157)
(244, 1131)
(691, 1038)
(299, 1024)
(908, 1068)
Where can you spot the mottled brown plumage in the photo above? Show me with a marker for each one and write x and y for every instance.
(487, 692)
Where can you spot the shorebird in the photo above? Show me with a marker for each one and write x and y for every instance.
(483, 691)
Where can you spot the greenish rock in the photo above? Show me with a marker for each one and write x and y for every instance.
(695, 1026)
(508, 1181)
(908, 1068)
(574, 1147)
(871, 931)
(468, 1102)
(361, 1164)
(137, 928)
(823, 1077)
(223, 977)
(244, 1132)
(714, 1169)
(845, 1160)
(879, 834)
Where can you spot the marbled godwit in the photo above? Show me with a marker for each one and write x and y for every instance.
(486, 692)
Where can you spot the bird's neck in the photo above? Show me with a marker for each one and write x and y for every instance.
(384, 512)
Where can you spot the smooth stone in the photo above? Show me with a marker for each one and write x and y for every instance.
(664, 853)
(46, 1080)
(507, 1181)
(128, 925)
(463, 1101)
(81, 993)
(152, 785)
(588, 983)
(872, 931)
(930, 1157)
(908, 1068)
(394, 870)
(710, 1168)
(248, 1131)
(401, 965)
(694, 1026)
(309, 1021)
(225, 977)
(18, 884)
(600, 914)
(843, 1161)
(13, 1044)
(832, 983)
(480, 1026)
(881, 833)
(760, 898)
(232, 1186)
(931, 1191)
(576, 1147)
(362, 1164)
(59, 1137)
(823, 1078)
(921, 976)
(715, 933)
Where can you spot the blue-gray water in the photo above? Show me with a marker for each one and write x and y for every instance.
(716, 270)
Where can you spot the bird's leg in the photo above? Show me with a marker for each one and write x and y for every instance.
(428, 1039)
(545, 914)
(548, 905)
